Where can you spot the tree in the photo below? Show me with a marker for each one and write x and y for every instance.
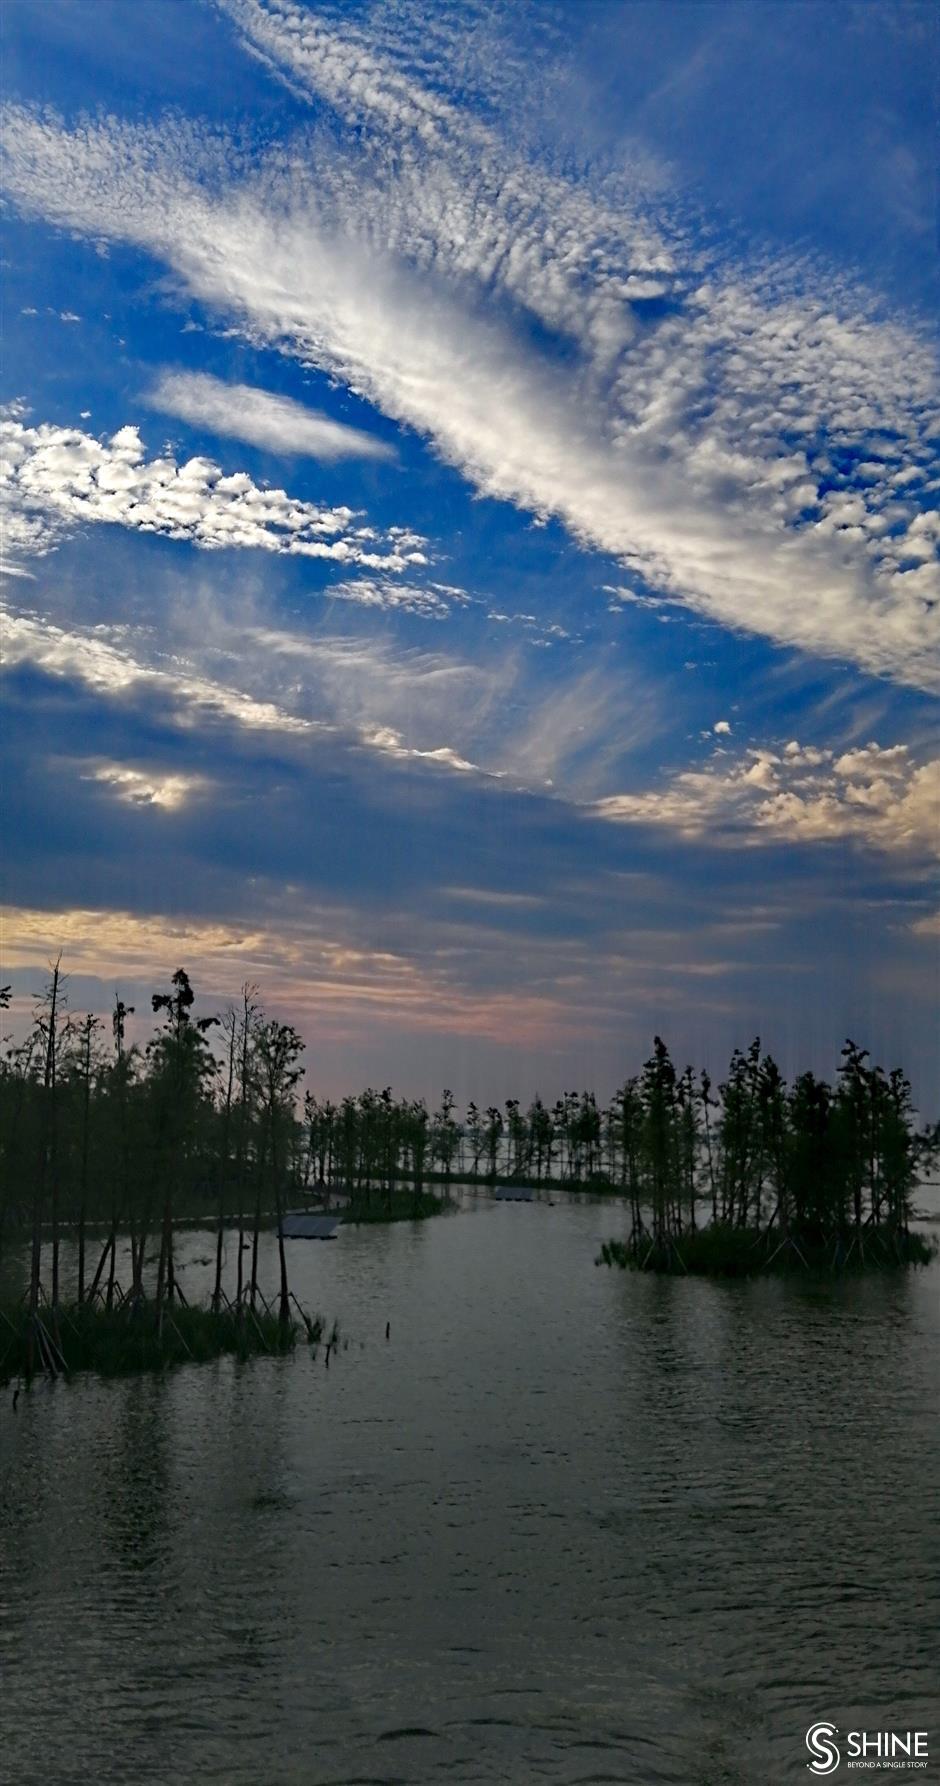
(278, 1049)
(445, 1137)
(52, 1031)
(250, 1016)
(180, 1066)
(85, 1066)
(492, 1135)
(658, 1094)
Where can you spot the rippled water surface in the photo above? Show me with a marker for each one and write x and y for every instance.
(567, 1524)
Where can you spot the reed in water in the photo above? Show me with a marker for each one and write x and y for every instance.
(128, 1337)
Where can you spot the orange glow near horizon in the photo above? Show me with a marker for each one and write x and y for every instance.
(303, 973)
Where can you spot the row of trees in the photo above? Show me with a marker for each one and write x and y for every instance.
(206, 1117)
(753, 1150)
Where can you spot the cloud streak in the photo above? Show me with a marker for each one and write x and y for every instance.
(706, 448)
(84, 656)
(264, 419)
(358, 695)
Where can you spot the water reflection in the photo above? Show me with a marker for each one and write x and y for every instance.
(566, 1525)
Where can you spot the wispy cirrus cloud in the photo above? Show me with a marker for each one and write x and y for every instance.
(265, 419)
(53, 479)
(709, 445)
(427, 708)
(440, 601)
(355, 694)
(458, 200)
(86, 655)
(737, 368)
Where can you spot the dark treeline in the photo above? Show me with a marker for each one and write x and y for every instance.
(101, 1139)
(750, 1154)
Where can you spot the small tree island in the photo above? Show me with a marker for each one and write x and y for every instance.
(805, 1176)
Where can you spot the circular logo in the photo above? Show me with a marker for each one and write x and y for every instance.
(821, 1746)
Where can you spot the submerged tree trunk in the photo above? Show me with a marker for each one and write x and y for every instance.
(46, 1153)
(53, 1133)
(102, 1262)
(83, 1181)
(256, 1229)
(284, 1312)
(112, 1270)
(223, 1164)
(242, 1144)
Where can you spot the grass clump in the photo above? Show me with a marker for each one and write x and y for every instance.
(724, 1250)
(131, 1338)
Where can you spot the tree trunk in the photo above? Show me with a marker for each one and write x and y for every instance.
(83, 1180)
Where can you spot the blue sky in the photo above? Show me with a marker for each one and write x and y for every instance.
(470, 525)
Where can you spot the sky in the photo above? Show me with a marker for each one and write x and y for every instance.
(470, 527)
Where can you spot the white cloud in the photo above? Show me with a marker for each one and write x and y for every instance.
(457, 200)
(361, 693)
(668, 446)
(722, 728)
(437, 601)
(632, 598)
(880, 795)
(137, 787)
(368, 686)
(384, 738)
(739, 366)
(87, 656)
(489, 896)
(53, 478)
(368, 592)
(275, 423)
(433, 601)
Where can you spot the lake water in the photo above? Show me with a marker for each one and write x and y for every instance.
(567, 1524)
